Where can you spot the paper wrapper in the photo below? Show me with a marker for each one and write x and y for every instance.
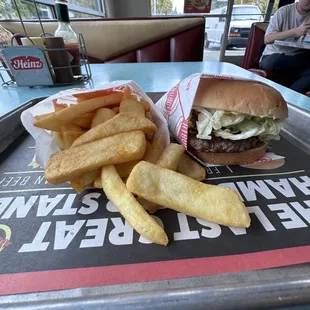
(177, 103)
(45, 144)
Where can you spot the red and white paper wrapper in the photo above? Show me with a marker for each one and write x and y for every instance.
(45, 144)
(177, 103)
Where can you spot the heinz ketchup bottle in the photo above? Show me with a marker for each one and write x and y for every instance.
(70, 38)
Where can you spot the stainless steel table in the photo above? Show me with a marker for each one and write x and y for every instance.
(152, 77)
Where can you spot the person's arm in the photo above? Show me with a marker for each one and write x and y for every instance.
(282, 35)
(271, 37)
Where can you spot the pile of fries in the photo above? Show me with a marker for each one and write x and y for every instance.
(107, 141)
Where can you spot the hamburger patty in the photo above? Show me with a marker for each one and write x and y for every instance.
(220, 145)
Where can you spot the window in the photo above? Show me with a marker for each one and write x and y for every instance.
(46, 9)
(27, 10)
(92, 4)
(86, 8)
(74, 15)
(167, 7)
(246, 13)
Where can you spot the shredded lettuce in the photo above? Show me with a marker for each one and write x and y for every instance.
(204, 124)
(243, 130)
(234, 126)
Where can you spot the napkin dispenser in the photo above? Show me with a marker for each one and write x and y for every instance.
(28, 65)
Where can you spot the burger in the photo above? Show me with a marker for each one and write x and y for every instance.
(232, 121)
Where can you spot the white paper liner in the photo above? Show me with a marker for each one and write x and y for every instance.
(46, 146)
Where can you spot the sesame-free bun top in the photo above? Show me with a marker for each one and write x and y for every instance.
(247, 97)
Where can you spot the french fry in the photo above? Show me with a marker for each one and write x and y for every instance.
(149, 116)
(38, 117)
(149, 136)
(169, 159)
(175, 191)
(97, 183)
(191, 168)
(102, 115)
(70, 127)
(58, 137)
(74, 162)
(83, 181)
(67, 115)
(129, 95)
(128, 206)
(94, 94)
(116, 110)
(84, 120)
(59, 106)
(171, 156)
(77, 186)
(154, 150)
(124, 169)
(132, 106)
(124, 122)
(69, 137)
(146, 105)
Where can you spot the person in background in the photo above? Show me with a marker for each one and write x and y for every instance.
(289, 22)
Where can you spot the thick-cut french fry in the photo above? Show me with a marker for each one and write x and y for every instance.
(149, 136)
(79, 184)
(38, 117)
(84, 120)
(146, 105)
(74, 162)
(175, 191)
(149, 116)
(70, 127)
(151, 206)
(58, 137)
(116, 110)
(128, 206)
(67, 115)
(75, 184)
(191, 168)
(97, 183)
(124, 169)
(102, 115)
(129, 95)
(132, 106)
(69, 137)
(169, 159)
(124, 122)
(59, 106)
(154, 150)
(94, 94)
(171, 156)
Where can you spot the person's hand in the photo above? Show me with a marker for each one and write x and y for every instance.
(302, 30)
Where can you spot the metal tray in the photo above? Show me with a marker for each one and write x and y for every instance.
(269, 288)
(10, 125)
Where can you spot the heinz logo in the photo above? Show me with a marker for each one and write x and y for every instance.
(26, 63)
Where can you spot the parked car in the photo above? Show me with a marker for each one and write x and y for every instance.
(241, 20)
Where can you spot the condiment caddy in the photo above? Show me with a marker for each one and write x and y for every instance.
(46, 60)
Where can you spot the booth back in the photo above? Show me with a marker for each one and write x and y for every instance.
(133, 40)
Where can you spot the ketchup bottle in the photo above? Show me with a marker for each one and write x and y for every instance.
(70, 38)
